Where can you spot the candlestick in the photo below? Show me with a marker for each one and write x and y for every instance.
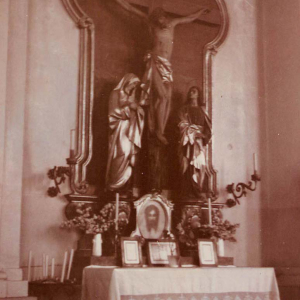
(29, 266)
(63, 271)
(47, 265)
(70, 264)
(72, 142)
(117, 211)
(254, 163)
(209, 212)
(52, 267)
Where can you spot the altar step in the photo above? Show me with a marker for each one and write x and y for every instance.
(20, 298)
(13, 289)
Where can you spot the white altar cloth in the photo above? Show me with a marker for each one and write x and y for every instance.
(102, 283)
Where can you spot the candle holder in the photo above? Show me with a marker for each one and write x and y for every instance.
(58, 174)
(117, 244)
(241, 188)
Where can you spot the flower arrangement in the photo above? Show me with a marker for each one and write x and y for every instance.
(223, 229)
(190, 229)
(90, 222)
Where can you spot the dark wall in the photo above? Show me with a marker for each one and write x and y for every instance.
(122, 39)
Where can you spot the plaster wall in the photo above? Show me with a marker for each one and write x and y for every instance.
(50, 114)
(237, 126)
(282, 96)
(50, 111)
(13, 78)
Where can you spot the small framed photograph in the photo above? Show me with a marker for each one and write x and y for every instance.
(207, 253)
(131, 252)
(160, 251)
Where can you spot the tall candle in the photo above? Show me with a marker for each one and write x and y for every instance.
(44, 265)
(209, 211)
(29, 266)
(52, 267)
(72, 142)
(63, 271)
(254, 163)
(70, 264)
(117, 211)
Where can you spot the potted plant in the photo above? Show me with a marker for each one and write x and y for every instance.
(90, 223)
(189, 230)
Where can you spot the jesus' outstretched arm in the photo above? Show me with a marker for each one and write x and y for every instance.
(190, 18)
(132, 9)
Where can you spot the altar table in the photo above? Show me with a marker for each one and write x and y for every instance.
(104, 283)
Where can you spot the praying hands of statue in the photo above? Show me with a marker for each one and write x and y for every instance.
(133, 106)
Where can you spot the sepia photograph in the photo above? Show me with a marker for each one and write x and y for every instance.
(149, 149)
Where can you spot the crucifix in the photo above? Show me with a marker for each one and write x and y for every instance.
(158, 74)
(157, 82)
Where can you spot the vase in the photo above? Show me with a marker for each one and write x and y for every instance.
(220, 248)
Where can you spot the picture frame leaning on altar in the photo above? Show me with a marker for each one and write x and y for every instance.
(207, 252)
(160, 251)
(131, 252)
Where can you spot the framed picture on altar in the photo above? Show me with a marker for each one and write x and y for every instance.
(207, 252)
(131, 252)
(160, 251)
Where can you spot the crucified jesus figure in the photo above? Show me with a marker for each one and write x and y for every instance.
(158, 75)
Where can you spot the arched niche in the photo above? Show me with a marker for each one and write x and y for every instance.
(112, 43)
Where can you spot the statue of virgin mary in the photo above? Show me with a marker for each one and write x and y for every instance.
(126, 124)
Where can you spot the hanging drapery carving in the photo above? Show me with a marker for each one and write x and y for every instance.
(126, 124)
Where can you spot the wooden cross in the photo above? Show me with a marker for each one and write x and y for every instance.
(183, 8)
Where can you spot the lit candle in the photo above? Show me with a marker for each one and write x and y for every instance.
(47, 265)
(63, 271)
(52, 267)
(29, 266)
(254, 163)
(72, 142)
(117, 211)
(70, 264)
(209, 211)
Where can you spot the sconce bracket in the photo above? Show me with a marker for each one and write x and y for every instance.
(239, 190)
(58, 174)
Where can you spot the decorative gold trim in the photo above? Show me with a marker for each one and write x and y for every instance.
(78, 165)
(210, 49)
(84, 151)
(168, 206)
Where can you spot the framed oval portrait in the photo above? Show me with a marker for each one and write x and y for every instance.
(152, 219)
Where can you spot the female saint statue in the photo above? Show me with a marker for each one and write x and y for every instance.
(126, 123)
(195, 133)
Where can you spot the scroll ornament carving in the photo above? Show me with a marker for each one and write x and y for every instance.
(86, 22)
